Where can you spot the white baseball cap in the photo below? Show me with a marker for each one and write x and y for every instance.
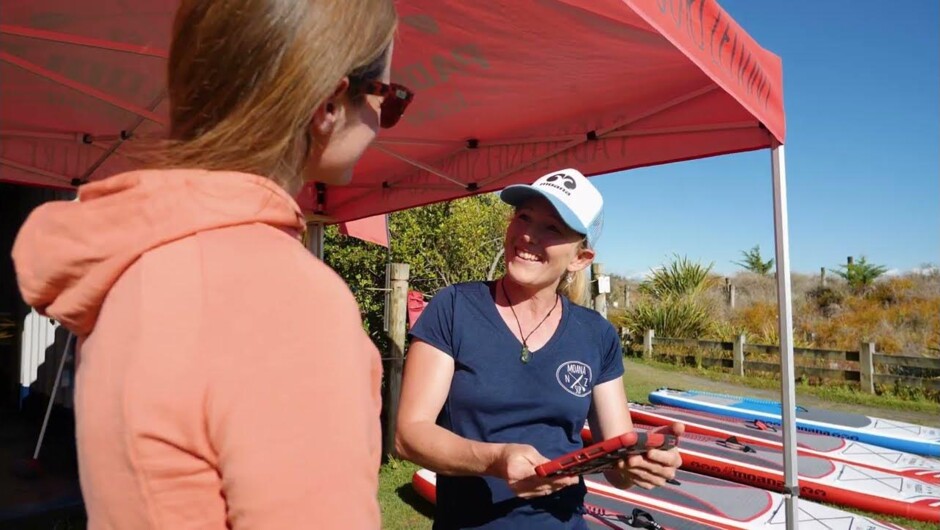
(576, 200)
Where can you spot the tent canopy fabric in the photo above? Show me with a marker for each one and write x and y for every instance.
(506, 91)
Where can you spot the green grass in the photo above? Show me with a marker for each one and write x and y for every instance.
(402, 508)
(830, 392)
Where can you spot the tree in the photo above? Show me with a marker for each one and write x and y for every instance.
(860, 275)
(754, 262)
(443, 243)
(451, 242)
(362, 266)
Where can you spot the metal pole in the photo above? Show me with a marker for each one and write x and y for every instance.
(787, 391)
(68, 350)
(315, 238)
(599, 296)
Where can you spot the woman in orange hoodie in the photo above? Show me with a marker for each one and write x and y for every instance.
(224, 379)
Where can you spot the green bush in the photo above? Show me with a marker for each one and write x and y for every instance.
(680, 278)
(674, 317)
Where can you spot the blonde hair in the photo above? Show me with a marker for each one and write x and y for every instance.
(245, 78)
(573, 285)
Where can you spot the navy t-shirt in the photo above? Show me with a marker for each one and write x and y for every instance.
(495, 397)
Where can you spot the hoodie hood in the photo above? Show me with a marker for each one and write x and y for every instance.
(68, 254)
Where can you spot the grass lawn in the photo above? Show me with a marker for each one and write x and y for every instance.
(403, 509)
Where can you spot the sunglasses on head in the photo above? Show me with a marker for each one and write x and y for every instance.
(395, 99)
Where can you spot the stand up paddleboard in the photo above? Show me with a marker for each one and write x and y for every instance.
(892, 434)
(700, 502)
(761, 434)
(820, 479)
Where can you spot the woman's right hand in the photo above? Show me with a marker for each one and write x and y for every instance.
(516, 463)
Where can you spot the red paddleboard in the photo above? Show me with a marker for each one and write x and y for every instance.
(698, 502)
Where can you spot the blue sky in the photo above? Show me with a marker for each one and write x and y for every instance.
(861, 85)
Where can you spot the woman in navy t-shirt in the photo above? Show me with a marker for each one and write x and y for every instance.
(501, 376)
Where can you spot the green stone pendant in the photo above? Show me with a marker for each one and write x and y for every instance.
(525, 354)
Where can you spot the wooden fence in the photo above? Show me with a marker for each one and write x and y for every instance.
(865, 366)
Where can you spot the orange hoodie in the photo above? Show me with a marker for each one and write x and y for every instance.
(224, 379)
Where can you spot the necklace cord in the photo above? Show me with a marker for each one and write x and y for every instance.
(525, 337)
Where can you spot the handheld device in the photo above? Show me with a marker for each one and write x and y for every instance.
(604, 455)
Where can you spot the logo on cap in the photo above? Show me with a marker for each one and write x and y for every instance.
(568, 180)
(566, 186)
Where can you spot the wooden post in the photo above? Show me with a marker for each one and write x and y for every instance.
(822, 276)
(626, 295)
(849, 260)
(648, 344)
(866, 352)
(738, 368)
(397, 312)
(600, 298)
(731, 295)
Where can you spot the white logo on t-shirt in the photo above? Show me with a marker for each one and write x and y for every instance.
(575, 377)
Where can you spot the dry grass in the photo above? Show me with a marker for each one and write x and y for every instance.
(901, 315)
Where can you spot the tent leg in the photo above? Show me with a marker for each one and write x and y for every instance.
(315, 232)
(787, 391)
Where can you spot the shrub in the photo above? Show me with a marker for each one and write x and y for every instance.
(680, 278)
(891, 291)
(675, 317)
(825, 296)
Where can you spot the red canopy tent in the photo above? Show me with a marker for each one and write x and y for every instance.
(506, 90)
(504, 93)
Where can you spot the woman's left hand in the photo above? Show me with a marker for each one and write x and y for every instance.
(650, 469)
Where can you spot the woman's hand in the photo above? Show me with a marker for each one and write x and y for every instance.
(650, 469)
(516, 463)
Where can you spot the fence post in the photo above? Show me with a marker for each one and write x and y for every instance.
(731, 295)
(648, 344)
(866, 352)
(397, 312)
(822, 276)
(738, 367)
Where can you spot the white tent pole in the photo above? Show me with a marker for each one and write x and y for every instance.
(787, 391)
(315, 230)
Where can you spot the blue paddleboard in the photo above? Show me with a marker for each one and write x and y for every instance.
(892, 434)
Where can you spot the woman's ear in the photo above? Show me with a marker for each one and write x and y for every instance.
(582, 259)
(329, 113)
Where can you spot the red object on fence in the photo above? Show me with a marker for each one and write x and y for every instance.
(416, 305)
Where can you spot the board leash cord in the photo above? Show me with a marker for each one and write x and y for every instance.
(637, 519)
